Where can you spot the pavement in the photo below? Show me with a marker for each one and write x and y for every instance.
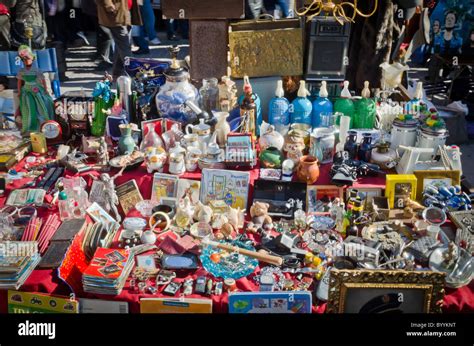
(83, 74)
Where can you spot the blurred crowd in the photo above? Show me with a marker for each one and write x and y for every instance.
(121, 27)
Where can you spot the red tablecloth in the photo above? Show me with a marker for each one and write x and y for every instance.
(47, 281)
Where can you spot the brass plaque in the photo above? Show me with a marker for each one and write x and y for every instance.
(266, 52)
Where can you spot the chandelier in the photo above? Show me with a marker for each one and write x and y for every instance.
(338, 10)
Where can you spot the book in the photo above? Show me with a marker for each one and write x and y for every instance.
(108, 271)
(291, 302)
(129, 195)
(26, 303)
(164, 185)
(99, 306)
(175, 306)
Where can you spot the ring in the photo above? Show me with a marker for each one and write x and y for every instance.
(164, 218)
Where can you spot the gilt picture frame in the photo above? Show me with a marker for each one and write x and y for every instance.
(385, 291)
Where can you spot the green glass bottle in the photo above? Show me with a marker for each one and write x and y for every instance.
(364, 117)
(344, 104)
(100, 115)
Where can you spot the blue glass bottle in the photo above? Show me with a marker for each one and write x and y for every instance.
(256, 100)
(321, 105)
(301, 107)
(279, 109)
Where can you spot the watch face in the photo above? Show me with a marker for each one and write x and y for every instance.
(51, 130)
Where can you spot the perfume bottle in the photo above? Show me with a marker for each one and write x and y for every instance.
(344, 104)
(64, 207)
(301, 107)
(278, 110)
(151, 140)
(321, 105)
(365, 112)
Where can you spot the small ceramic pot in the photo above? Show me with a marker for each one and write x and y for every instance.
(148, 237)
(308, 169)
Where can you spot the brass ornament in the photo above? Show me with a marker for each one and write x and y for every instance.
(336, 9)
(342, 280)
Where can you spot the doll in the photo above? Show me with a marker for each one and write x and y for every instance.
(36, 105)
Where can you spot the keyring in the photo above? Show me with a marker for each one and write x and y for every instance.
(10, 210)
(164, 217)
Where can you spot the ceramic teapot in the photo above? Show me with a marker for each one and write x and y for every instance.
(201, 129)
(270, 137)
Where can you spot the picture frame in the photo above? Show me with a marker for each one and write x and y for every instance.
(438, 177)
(385, 291)
(227, 185)
(399, 187)
(370, 192)
(164, 185)
(318, 198)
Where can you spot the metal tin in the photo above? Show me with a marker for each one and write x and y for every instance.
(38, 143)
(404, 132)
(431, 138)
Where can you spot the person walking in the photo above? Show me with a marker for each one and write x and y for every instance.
(118, 16)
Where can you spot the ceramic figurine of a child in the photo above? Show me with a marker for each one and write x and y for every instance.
(36, 105)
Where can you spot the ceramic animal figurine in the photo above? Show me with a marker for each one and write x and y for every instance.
(222, 128)
(260, 218)
(155, 160)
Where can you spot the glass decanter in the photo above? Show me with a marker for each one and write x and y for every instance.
(151, 139)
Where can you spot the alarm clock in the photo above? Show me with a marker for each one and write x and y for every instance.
(52, 131)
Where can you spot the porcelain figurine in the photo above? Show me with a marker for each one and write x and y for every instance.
(294, 147)
(102, 153)
(156, 159)
(110, 195)
(177, 164)
(36, 105)
(184, 212)
(222, 128)
(270, 137)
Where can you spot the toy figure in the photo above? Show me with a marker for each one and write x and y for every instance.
(260, 217)
(36, 105)
(202, 213)
(110, 196)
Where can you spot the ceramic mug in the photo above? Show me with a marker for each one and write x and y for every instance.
(193, 153)
(191, 164)
(191, 140)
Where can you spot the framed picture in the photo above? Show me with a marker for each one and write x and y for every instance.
(189, 187)
(369, 192)
(399, 188)
(320, 197)
(230, 186)
(385, 291)
(164, 185)
(438, 178)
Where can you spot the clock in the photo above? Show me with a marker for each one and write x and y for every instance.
(52, 131)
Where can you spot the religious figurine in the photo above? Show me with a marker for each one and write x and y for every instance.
(110, 196)
(103, 152)
(36, 105)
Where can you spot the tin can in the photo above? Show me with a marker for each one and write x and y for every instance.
(431, 138)
(403, 133)
(38, 143)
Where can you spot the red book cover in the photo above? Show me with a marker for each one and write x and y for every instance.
(107, 263)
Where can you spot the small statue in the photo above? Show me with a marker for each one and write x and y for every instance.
(103, 153)
(36, 105)
(184, 212)
(110, 195)
(451, 256)
(202, 213)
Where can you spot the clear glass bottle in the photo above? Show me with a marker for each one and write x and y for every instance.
(209, 95)
(64, 207)
(151, 140)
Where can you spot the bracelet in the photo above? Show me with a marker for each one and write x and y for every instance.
(9, 210)
(27, 212)
(153, 223)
